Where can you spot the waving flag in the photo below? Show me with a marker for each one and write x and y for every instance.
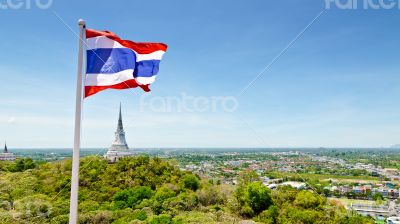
(113, 63)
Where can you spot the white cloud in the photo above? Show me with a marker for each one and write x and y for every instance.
(11, 120)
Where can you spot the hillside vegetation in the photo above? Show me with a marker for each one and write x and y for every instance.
(151, 190)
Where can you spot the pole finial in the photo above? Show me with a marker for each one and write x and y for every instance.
(81, 22)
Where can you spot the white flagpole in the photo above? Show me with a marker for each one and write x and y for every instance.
(73, 207)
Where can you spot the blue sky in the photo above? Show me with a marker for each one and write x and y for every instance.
(338, 85)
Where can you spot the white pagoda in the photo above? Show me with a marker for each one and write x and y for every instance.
(119, 147)
(6, 155)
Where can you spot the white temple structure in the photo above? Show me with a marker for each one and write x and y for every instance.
(6, 155)
(119, 148)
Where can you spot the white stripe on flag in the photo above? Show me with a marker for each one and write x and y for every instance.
(102, 42)
(146, 80)
(156, 55)
(108, 79)
(105, 42)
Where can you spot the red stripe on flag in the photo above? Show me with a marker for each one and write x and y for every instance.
(90, 90)
(138, 47)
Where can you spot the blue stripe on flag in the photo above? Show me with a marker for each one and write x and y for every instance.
(109, 60)
(146, 68)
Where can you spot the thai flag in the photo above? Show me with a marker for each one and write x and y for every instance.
(113, 63)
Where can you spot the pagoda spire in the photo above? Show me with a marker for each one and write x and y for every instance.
(120, 126)
(5, 148)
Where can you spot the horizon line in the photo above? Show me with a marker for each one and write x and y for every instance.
(180, 148)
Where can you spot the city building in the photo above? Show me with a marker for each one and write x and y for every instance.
(119, 148)
(376, 211)
(6, 155)
(393, 220)
(295, 184)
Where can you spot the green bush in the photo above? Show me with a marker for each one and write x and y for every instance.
(269, 216)
(308, 200)
(21, 165)
(164, 193)
(253, 198)
(161, 219)
(246, 211)
(190, 181)
(61, 219)
(128, 198)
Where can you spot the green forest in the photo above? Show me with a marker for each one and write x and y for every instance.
(150, 190)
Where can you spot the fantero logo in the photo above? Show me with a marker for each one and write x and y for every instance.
(362, 4)
(25, 4)
(188, 104)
